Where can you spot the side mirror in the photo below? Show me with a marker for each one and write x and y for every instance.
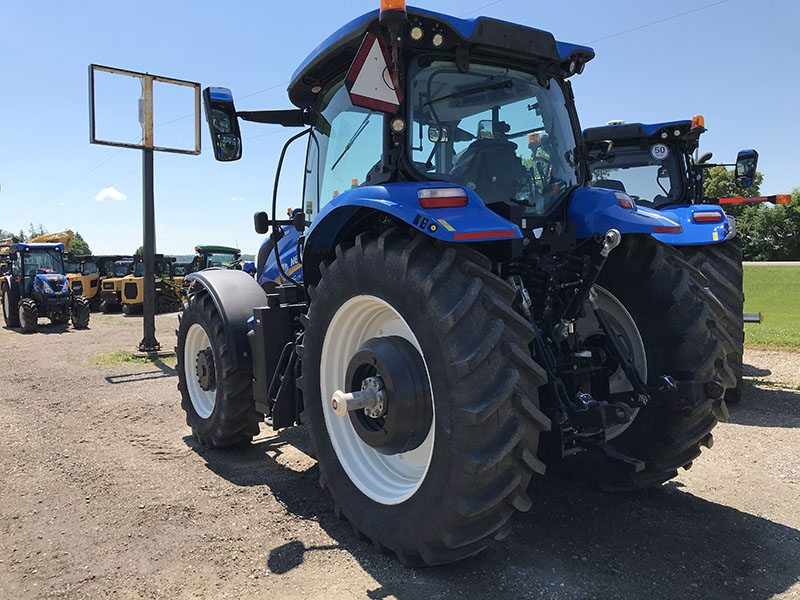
(746, 163)
(436, 134)
(223, 124)
(704, 158)
(261, 222)
(485, 130)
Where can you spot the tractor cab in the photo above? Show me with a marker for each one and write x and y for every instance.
(167, 290)
(111, 287)
(220, 257)
(654, 164)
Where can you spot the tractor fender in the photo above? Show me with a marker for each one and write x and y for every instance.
(596, 210)
(694, 232)
(473, 222)
(235, 295)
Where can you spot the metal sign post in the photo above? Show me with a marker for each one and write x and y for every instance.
(149, 342)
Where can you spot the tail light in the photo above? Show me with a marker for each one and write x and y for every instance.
(625, 201)
(454, 197)
(707, 216)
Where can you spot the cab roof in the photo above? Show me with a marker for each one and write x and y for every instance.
(635, 133)
(221, 249)
(482, 35)
(38, 246)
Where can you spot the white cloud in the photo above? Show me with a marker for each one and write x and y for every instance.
(110, 193)
(236, 198)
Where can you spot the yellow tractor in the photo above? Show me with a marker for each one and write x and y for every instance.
(111, 287)
(167, 290)
(86, 280)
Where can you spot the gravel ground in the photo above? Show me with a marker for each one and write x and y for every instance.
(105, 494)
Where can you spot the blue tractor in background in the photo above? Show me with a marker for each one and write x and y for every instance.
(34, 285)
(655, 165)
(452, 311)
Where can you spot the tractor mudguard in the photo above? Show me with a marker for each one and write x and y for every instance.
(235, 294)
(711, 228)
(596, 210)
(473, 222)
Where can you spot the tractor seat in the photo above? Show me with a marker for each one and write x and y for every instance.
(492, 168)
(610, 184)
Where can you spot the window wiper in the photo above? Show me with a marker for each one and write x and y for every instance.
(350, 142)
(508, 83)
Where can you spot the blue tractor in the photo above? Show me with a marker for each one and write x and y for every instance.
(34, 285)
(655, 165)
(451, 312)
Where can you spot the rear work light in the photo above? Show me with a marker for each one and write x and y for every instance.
(707, 216)
(453, 197)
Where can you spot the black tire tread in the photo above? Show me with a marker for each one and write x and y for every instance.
(494, 434)
(28, 305)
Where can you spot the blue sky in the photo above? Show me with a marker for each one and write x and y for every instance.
(733, 62)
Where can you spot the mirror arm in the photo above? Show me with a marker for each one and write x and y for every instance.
(286, 118)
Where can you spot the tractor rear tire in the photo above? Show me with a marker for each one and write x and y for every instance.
(682, 338)
(28, 315)
(447, 498)
(722, 266)
(10, 304)
(216, 396)
(81, 311)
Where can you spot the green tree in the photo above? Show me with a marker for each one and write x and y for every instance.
(771, 232)
(139, 251)
(79, 245)
(33, 231)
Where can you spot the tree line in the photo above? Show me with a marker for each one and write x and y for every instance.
(79, 245)
(768, 232)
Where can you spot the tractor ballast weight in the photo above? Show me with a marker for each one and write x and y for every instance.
(463, 312)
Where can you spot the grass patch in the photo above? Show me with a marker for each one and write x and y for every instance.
(122, 357)
(774, 291)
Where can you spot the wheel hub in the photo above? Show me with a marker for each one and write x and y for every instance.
(388, 398)
(204, 366)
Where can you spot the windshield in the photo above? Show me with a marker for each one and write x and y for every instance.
(495, 130)
(651, 175)
(71, 267)
(40, 262)
(179, 270)
(220, 259)
(121, 270)
(344, 150)
(89, 268)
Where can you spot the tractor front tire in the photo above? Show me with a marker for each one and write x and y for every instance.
(28, 315)
(216, 396)
(81, 310)
(682, 338)
(447, 497)
(722, 266)
(10, 303)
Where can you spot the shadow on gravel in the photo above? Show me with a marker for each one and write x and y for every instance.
(766, 406)
(753, 371)
(164, 370)
(574, 543)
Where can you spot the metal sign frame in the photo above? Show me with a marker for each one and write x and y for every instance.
(147, 109)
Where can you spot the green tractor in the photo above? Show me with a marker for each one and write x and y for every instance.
(34, 285)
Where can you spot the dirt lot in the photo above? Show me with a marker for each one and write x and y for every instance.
(104, 494)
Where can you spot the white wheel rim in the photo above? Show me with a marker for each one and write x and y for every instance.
(623, 323)
(203, 401)
(387, 479)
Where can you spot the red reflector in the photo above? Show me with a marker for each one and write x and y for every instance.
(625, 201)
(708, 216)
(678, 229)
(779, 199)
(476, 235)
(442, 197)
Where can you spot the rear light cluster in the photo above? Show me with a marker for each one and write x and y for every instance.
(707, 216)
(454, 197)
(625, 201)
